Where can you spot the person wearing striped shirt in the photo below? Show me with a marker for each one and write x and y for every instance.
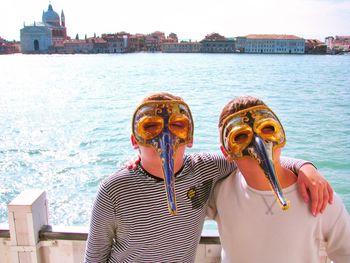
(155, 212)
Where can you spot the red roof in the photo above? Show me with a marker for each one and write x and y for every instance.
(342, 37)
(313, 41)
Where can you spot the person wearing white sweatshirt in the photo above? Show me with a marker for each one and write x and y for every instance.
(260, 216)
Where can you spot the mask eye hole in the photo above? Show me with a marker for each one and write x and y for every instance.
(268, 130)
(179, 125)
(149, 127)
(241, 138)
(237, 139)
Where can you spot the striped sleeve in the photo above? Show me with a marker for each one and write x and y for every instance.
(227, 167)
(224, 166)
(294, 164)
(102, 228)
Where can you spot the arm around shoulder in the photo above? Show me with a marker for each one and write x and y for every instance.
(311, 184)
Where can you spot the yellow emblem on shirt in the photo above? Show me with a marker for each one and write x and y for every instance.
(191, 193)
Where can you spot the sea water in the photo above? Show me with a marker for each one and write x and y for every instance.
(65, 119)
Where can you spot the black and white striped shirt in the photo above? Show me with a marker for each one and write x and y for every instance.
(130, 221)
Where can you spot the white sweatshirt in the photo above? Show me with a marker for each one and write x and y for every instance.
(253, 228)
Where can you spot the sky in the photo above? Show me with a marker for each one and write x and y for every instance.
(189, 19)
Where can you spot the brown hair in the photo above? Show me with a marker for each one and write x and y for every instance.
(161, 96)
(237, 104)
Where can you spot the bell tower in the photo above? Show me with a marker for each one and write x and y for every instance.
(63, 19)
(63, 24)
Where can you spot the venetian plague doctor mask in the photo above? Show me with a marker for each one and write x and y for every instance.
(256, 132)
(164, 125)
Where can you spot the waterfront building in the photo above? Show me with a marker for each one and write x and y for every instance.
(76, 46)
(45, 36)
(9, 47)
(92, 45)
(181, 47)
(270, 44)
(116, 43)
(153, 42)
(315, 46)
(3, 46)
(136, 42)
(338, 44)
(172, 38)
(216, 43)
(99, 45)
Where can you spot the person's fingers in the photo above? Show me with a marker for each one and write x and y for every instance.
(320, 197)
(136, 161)
(129, 165)
(325, 198)
(133, 166)
(133, 162)
(303, 191)
(331, 193)
(314, 198)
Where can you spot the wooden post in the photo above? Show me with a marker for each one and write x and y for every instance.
(28, 212)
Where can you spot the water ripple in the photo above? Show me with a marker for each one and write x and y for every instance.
(65, 124)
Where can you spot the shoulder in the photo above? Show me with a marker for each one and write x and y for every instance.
(212, 165)
(336, 210)
(338, 204)
(122, 176)
(229, 182)
(205, 158)
(120, 183)
(202, 162)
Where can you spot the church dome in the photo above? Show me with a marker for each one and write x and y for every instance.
(51, 17)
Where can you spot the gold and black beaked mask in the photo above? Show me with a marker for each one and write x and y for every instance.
(164, 125)
(256, 132)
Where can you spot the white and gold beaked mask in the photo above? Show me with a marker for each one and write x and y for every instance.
(256, 132)
(164, 125)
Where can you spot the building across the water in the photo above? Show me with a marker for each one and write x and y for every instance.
(338, 44)
(216, 43)
(270, 44)
(44, 36)
(9, 47)
(315, 46)
(182, 47)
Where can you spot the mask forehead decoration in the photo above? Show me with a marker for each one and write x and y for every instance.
(255, 132)
(164, 125)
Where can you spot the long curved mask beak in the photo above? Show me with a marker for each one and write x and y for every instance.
(255, 132)
(164, 125)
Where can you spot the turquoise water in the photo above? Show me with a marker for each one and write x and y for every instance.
(65, 119)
